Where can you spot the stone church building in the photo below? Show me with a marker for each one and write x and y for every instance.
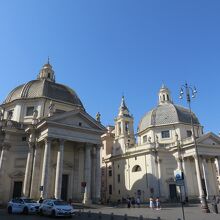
(49, 144)
(143, 164)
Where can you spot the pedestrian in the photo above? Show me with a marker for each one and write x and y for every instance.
(129, 202)
(214, 205)
(158, 207)
(40, 200)
(133, 202)
(151, 205)
(138, 202)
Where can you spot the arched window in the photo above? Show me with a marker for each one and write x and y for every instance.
(136, 168)
(164, 97)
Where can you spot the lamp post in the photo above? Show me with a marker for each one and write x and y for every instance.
(191, 92)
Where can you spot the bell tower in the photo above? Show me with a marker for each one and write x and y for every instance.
(164, 95)
(124, 131)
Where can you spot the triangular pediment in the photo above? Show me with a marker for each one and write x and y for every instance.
(209, 139)
(77, 118)
(16, 174)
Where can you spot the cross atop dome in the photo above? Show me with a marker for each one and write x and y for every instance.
(47, 72)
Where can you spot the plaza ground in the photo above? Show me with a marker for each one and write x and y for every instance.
(168, 212)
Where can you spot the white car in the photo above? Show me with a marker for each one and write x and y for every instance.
(23, 205)
(55, 207)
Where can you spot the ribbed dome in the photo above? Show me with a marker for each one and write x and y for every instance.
(45, 86)
(166, 114)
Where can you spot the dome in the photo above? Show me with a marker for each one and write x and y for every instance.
(166, 114)
(45, 86)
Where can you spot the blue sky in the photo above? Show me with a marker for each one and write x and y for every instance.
(103, 49)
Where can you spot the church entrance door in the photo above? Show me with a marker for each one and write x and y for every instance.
(173, 193)
(17, 189)
(64, 189)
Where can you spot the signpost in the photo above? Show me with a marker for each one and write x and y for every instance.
(179, 178)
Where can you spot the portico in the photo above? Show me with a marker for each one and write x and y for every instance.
(64, 158)
(208, 154)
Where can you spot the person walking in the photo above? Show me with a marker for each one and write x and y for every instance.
(158, 207)
(214, 205)
(138, 202)
(151, 205)
(133, 202)
(129, 202)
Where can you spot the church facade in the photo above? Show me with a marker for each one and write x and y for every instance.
(49, 144)
(143, 165)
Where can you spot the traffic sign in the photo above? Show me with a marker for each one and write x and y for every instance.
(178, 175)
(180, 182)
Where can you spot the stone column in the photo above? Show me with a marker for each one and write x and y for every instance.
(198, 176)
(98, 175)
(3, 156)
(28, 170)
(206, 177)
(184, 161)
(45, 169)
(3, 160)
(93, 177)
(36, 170)
(161, 191)
(87, 171)
(217, 162)
(59, 170)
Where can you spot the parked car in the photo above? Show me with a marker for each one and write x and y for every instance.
(55, 207)
(23, 205)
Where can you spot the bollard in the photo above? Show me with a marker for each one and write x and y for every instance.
(100, 215)
(112, 216)
(89, 214)
(141, 217)
(125, 217)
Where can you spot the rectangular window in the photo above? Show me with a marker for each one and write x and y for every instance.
(110, 173)
(10, 114)
(165, 134)
(103, 172)
(23, 138)
(30, 111)
(110, 189)
(119, 128)
(189, 133)
(144, 138)
(126, 127)
(119, 179)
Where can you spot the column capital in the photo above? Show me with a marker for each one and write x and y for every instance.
(212, 160)
(62, 141)
(185, 159)
(98, 146)
(47, 140)
(88, 146)
(6, 146)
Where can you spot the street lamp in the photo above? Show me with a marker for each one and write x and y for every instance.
(191, 92)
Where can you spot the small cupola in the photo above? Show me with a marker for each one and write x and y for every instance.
(47, 72)
(164, 95)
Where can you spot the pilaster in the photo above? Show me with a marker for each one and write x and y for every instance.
(45, 169)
